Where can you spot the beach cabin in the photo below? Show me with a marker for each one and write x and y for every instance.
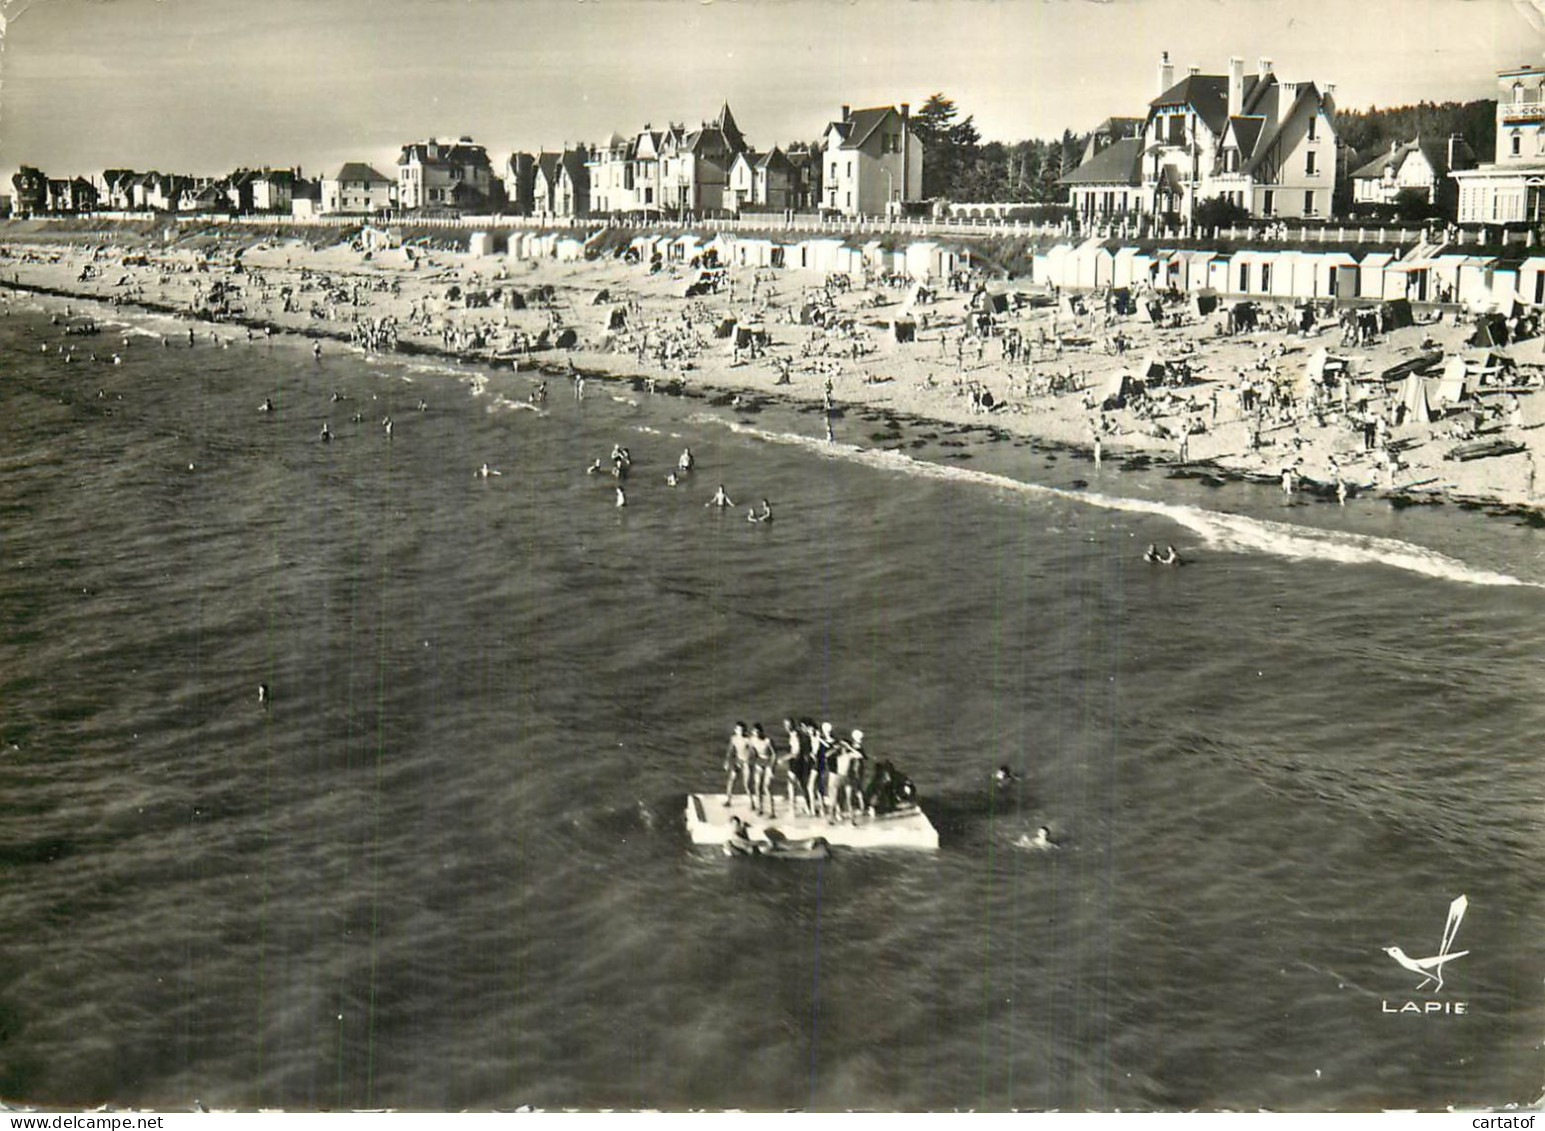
(1122, 268)
(818, 254)
(1335, 275)
(921, 260)
(1306, 275)
(1531, 281)
(1445, 276)
(1474, 281)
(1246, 273)
(1370, 274)
(1218, 277)
(1197, 271)
(479, 243)
(567, 249)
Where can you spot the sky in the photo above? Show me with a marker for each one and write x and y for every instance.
(205, 86)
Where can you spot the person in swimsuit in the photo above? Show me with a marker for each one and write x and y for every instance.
(737, 762)
(794, 766)
(720, 499)
(686, 462)
(763, 755)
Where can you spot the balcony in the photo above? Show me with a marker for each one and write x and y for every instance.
(1521, 111)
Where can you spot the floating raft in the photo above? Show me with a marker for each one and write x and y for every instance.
(708, 822)
(1485, 449)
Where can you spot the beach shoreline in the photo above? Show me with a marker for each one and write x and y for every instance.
(850, 362)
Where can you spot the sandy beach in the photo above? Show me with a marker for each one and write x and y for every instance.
(1226, 404)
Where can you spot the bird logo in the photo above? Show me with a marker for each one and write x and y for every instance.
(1431, 969)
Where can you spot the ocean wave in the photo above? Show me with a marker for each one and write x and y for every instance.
(1219, 531)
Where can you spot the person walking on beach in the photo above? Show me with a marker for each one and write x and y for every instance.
(737, 762)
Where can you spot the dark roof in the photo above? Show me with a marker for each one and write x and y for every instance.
(359, 171)
(1307, 94)
(727, 126)
(773, 159)
(459, 154)
(862, 123)
(1116, 164)
(547, 166)
(1208, 96)
(1247, 131)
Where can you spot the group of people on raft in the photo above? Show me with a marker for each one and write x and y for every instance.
(817, 771)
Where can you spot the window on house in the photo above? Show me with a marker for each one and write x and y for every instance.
(1265, 277)
(1314, 124)
(1518, 92)
(850, 200)
(1309, 166)
(1518, 143)
(1309, 203)
(1268, 202)
(1177, 129)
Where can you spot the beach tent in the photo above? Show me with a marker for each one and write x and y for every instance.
(904, 330)
(724, 329)
(1205, 301)
(1117, 386)
(1397, 314)
(567, 339)
(1150, 371)
(601, 297)
(618, 319)
(1121, 301)
(1451, 385)
(513, 299)
(1490, 330)
(1413, 399)
(1371, 273)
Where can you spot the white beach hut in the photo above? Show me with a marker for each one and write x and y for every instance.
(1531, 281)
(1370, 272)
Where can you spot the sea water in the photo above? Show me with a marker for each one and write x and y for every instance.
(444, 866)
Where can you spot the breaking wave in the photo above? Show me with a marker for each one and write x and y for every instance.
(1229, 533)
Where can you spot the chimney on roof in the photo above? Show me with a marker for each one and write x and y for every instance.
(1193, 70)
(1166, 73)
(906, 110)
(1265, 68)
(847, 111)
(1236, 86)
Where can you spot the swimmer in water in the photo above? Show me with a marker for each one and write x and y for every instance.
(387, 424)
(267, 405)
(671, 480)
(1151, 554)
(1042, 840)
(485, 471)
(326, 435)
(1170, 557)
(316, 350)
(764, 516)
(594, 469)
(1003, 776)
(263, 694)
(720, 499)
(622, 499)
(686, 462)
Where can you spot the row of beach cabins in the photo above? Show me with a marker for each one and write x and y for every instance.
(920, 260)
(1424, 274)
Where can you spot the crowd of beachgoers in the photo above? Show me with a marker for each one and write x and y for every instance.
(1340, 403)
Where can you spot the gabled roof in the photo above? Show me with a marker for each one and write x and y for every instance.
(1116, 164)
(547, 166)
(773, 159)
(1208, 96)
(359, 171)
(862, 123)
(1308, 95)
(1247, 131)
